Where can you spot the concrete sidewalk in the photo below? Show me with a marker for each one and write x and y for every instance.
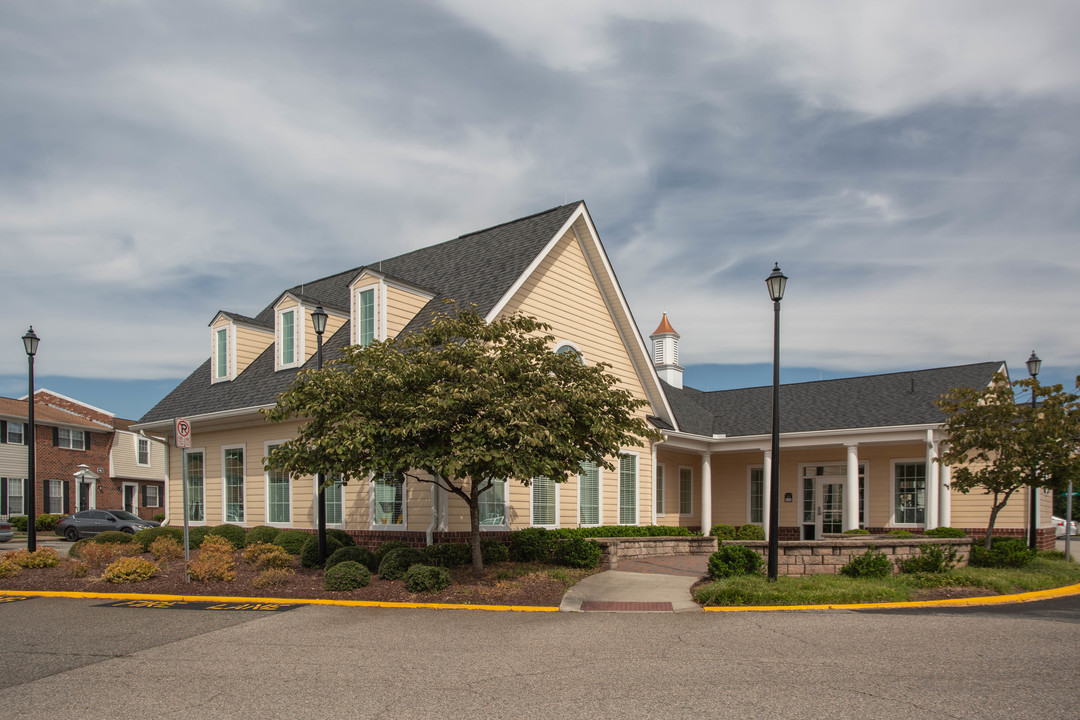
(659, 584)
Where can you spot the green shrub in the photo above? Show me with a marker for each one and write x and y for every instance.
(8, 567)
(871, 564)
(265, 556)
(426, 578)
(901, 534)
(750, 532)
(931, 559)
(159, 517)
(722, 532)
(341, 536)
(732, 560)
(309, 553)
(493, 551)
(531, 544)
(19, 522)
(347, 575)
(857, 531)
(41, 558)
(354, 554)
(621, 531)
(196, 535)
(1003, 553)
(77, 546)
(233, 533)
(448, 555)
(149, 535)
(261, 534)
(115, 537)
(396, 562)
(291, 540)
(130, 569)
(945, 532)
(386, 548)
(46, 522)
(578, 553)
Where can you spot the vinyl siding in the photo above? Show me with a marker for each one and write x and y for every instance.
(311, 340)
(13, 460)
(401, 307)
(250, 344)
(125, 460)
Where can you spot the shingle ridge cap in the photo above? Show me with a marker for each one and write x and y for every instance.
(517, 220)
(298, 286)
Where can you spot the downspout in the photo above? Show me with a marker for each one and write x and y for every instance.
(429, 533)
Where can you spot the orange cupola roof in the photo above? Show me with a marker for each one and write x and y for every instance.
(665, 327)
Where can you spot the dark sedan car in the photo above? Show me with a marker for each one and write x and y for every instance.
(91, 522)
(6, 533)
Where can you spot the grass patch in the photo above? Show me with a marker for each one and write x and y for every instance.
(1047, 570)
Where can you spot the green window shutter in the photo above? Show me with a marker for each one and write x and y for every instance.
(628, 489)
(589, 494)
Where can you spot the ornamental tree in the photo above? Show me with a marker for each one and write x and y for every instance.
(467, 402)
(999, 445)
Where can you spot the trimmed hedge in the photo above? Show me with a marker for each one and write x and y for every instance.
(261, 534)
(531, 544)
(341, 536)
(196, 535)
(149, 535)
(449, 555)
(19, 522)
(291, 540)
(493, 551)
(732, 560)
(619, 531)
(233, 533)
(1003, 553)
(347, 575)
(945, 532)
(857, 531)
(113, 536)
(722, 532)
(397, 562)
(750, 532)
(578, 553)
(387, 547)
(46, 522)
(309, 553)
(352, 553)
(900, 533)
(426, 578)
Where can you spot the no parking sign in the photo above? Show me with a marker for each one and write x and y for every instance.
(183, 433)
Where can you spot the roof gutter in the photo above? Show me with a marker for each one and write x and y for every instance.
(721, 440)
(205, 417)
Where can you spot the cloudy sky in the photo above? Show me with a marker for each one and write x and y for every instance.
(914, 168)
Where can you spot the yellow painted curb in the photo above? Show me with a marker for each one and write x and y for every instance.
(1066, 591)
(278, 601)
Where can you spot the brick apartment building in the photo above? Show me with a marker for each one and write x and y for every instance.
(85, 458)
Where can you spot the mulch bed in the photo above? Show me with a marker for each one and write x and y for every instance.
(500, 584)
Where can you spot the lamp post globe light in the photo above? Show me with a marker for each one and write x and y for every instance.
(30, 344)
(776, 283)
(1033, 366)
(318, 319)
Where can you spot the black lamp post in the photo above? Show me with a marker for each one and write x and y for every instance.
(30, 342)
(1033, 365)
(776, 282)
(318, 319)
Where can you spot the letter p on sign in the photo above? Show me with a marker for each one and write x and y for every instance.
(183, 433)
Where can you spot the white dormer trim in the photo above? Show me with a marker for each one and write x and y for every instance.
(298, 333)
(230, 353)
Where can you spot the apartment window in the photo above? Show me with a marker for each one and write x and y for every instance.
(71, 439)
(142, 451)
(332, 496)
(909, 493)
(756, 512)
(659, 489)
(686, 491)
(628, 482)
(493, 504)
(389, 498)
(54, 498)
(195, 477)
(288, 338)
(233, 472)
(589, 494)
(543, 502)
(221, 353)
(151, 496)
(278, 494)
(366, 317)
(15, 433)
(15, 487)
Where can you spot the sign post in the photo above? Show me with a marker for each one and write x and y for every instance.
(183, 441)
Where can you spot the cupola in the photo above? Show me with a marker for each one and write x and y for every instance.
(665, 353)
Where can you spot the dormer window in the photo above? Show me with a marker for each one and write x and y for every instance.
(288, 332)
(221, 354)
(365, 303)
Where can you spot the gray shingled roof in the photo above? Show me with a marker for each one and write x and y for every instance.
(893, 399)
(478, 268)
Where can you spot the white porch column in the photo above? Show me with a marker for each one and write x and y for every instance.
(766, 492)
(945, 502)
(933, 483)
(851, 489)
(706, 494)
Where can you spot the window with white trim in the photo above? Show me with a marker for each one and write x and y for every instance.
(686, 491)
(365, 317)
(492, 504)
(543, 502)
(628, 482)
(909, 493)
(71, 439)
(15, 433)
(233, 472)
(54, 502)
(221, 353)
(142, 451)
(332, 498)
(388, 496)
(278, 494)
(15, 489)
(589, 494)
(195, 477)
(756, 494)
(287, 354)
(659, 489)
(152, 495)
